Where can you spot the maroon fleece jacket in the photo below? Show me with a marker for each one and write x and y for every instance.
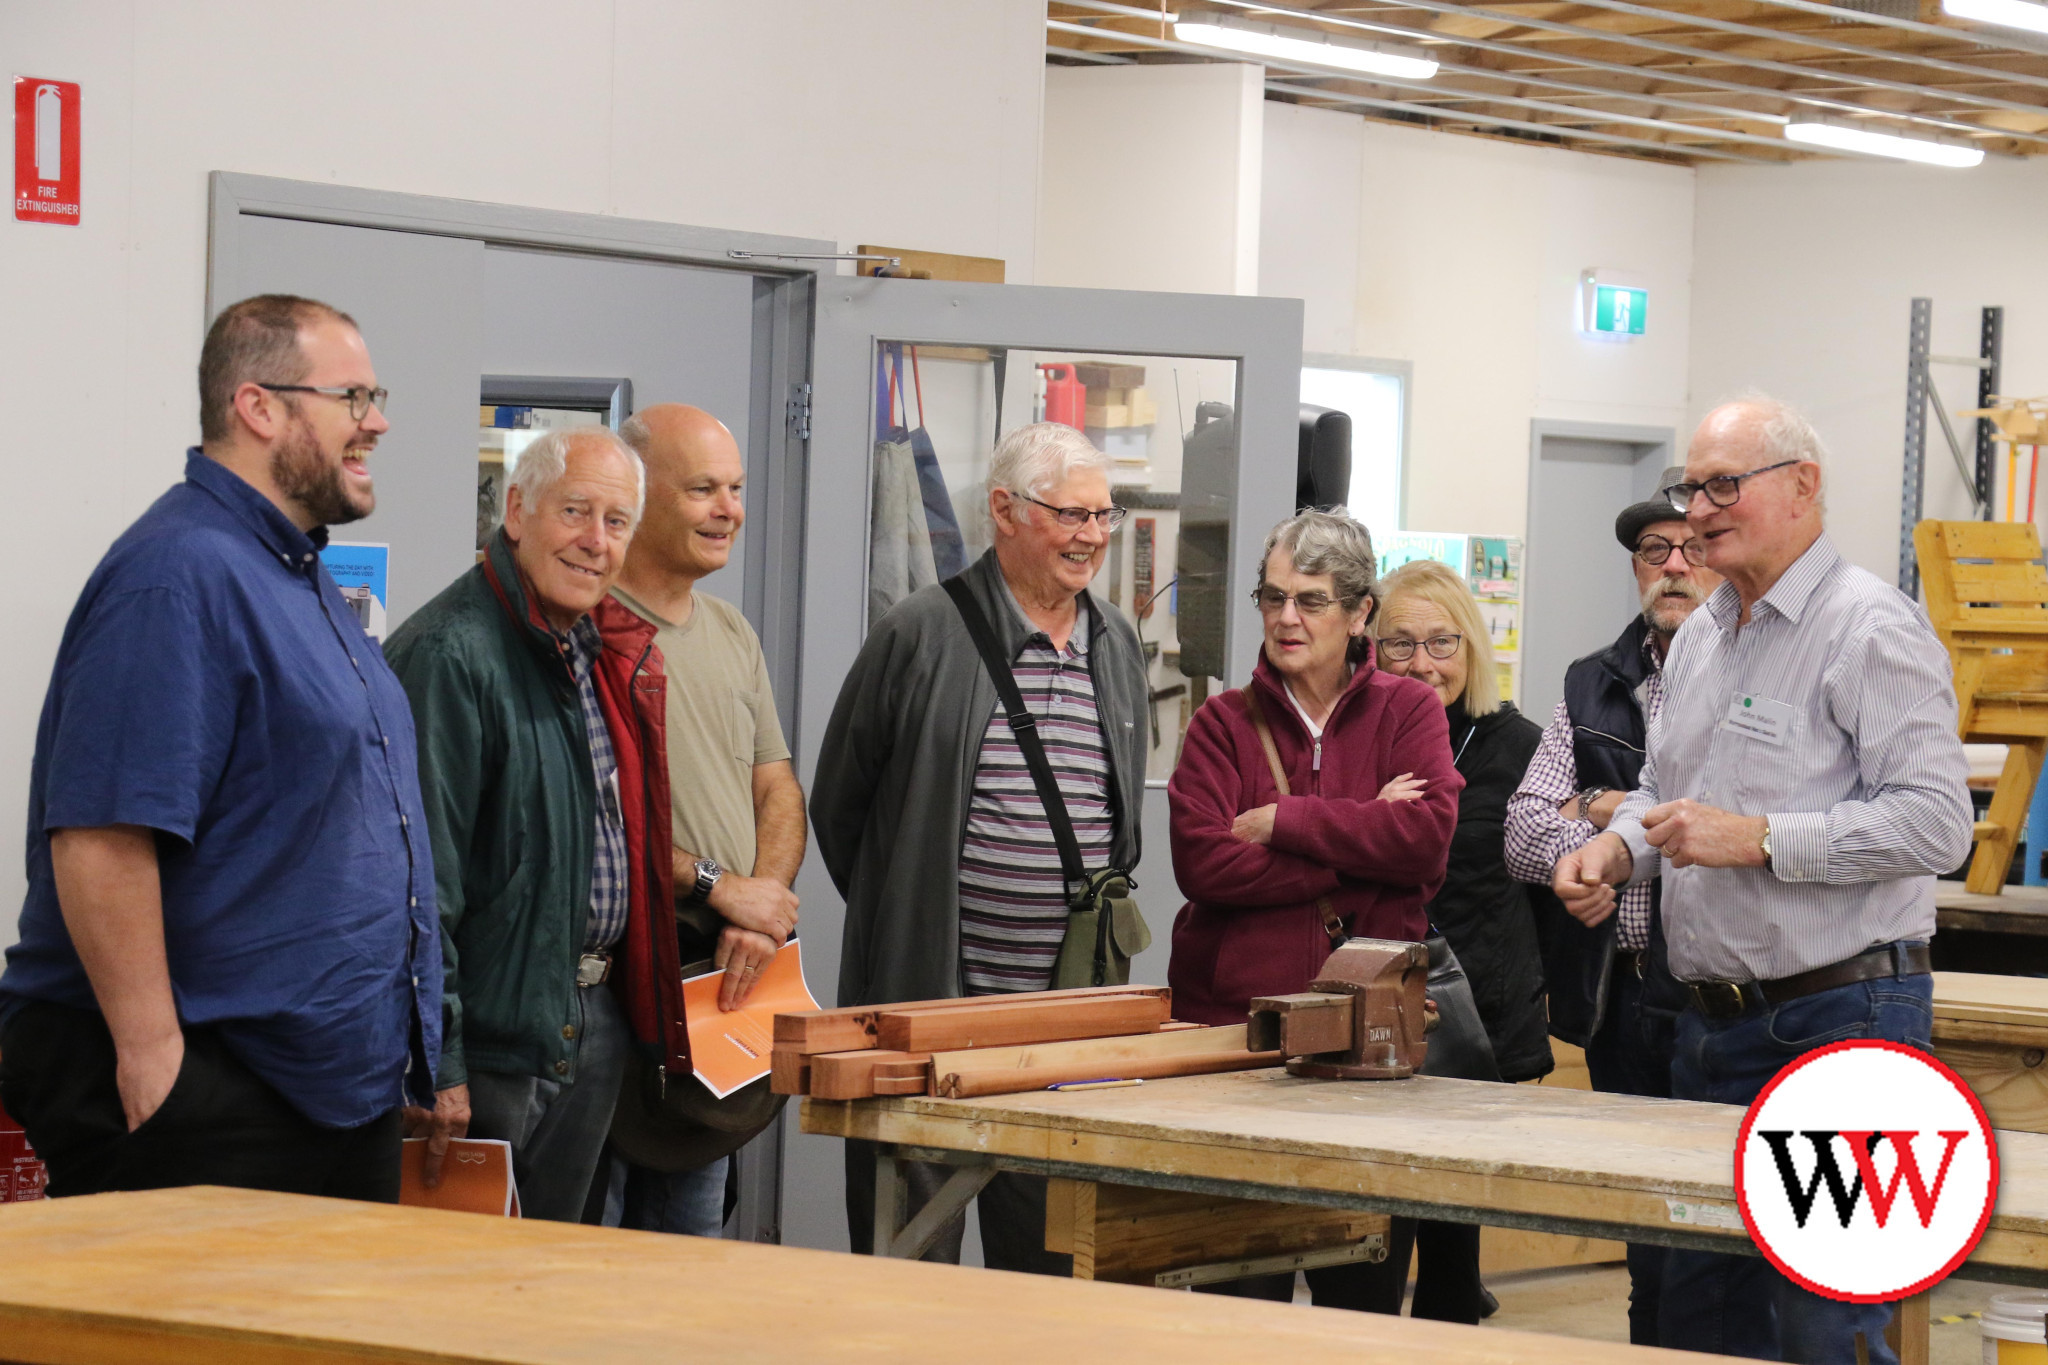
(1251, 925)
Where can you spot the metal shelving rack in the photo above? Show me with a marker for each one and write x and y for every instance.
(1920, 391)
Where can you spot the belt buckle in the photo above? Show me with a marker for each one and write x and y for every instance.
(592, 969)
(1719, 999)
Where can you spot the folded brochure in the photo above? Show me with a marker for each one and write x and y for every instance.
(476, 1177)
(732, 1048)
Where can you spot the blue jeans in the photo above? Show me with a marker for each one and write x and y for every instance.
(689, 1202)
(1741, 1305)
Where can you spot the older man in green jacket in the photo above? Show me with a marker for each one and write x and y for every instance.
(925, 815)
(543, 766)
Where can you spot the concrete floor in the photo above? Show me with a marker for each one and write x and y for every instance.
(1592, 1302)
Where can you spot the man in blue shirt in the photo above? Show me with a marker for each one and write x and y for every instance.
(229, 966)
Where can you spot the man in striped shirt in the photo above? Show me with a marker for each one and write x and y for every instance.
(1803, 787)
(925, 813)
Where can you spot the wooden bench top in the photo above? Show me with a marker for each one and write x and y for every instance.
(2018, 910)
(1538, 1154)
(223, 1277)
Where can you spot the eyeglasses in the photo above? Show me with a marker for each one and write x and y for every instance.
(1073, 517)
(360, 400)
(1655, 550)
(1722, 490)
(1272, 601)
(1439, 647)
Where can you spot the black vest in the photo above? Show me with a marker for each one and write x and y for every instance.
(1609, 737)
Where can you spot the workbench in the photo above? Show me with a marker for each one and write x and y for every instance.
(2002, 934)
(228, 1277)
(1552, 1160)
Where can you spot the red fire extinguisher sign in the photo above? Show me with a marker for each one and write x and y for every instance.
(46, 157)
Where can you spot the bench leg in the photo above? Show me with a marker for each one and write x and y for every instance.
(908, 1241)
(2008, 813)
(1909, 1329)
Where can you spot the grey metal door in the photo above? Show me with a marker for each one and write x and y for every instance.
(1578, 590)
(1243, 352)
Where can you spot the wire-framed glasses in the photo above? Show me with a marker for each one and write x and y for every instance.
(1401, 650)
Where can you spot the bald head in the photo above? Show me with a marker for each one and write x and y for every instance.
(695, 479)
(1773, 509)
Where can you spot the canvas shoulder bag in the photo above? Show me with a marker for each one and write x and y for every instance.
(1104, 927)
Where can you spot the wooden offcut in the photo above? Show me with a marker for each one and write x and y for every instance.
(1132, 1235)
(966, 1082)
(875, 1071)
(1007, 1020)
(933, 265)
(852, 1027)
(1987, 597)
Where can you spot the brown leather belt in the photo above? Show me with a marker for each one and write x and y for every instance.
(1733, 999)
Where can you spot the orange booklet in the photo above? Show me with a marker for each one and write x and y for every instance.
(476, 1177)
(731, 1048)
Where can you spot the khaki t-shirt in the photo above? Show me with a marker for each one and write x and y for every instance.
(721, 722)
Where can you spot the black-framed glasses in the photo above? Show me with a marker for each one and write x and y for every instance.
(1655, 550)
(1272, 601)
(359, 399)
(1075, 517)
(1722, 490)
(1439, 647)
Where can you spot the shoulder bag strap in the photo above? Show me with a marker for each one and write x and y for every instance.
(1333, 923)
(1024, 726)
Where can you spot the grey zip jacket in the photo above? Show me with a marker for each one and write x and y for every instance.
(896, 773)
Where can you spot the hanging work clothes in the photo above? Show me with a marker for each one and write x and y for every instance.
(900, 545)
(949, 547)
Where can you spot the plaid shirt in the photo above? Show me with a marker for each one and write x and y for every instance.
(607, 924)
(1537, 836)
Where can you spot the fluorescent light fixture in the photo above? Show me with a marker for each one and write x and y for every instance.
(1844, 139)
(2008, 13)
(1300, 45)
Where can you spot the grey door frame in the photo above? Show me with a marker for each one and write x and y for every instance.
(1653, 440)
(785, 293)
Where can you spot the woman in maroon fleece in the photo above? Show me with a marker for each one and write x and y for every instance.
(1367, 830)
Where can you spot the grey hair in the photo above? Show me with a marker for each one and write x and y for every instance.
(541, 465)
(1784, 433)
(1331, 542)
(1036, 459)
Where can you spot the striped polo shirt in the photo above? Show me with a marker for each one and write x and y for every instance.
(1013, 904)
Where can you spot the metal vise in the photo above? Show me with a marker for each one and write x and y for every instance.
(1362, 1018)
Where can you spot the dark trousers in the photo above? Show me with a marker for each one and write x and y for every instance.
(221, 1124)
(1740, 1305)
(1012, 1209)
(1631, 1055)
(1447, 1286)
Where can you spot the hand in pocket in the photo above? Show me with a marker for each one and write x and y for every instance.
(145, 1074)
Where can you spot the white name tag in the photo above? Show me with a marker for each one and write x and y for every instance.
(1760, 718)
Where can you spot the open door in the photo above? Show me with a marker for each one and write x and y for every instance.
(1196, 397)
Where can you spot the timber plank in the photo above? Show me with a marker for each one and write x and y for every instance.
(1130, 1235)
(233, 1277)
(852, 1075)
(2016, 1000)
(1013, 1020)
(968, 1082)
(851, 1028)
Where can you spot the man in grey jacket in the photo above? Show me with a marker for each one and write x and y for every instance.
(926, 814)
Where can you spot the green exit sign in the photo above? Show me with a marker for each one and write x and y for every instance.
(1611, 307)
(1619, 311)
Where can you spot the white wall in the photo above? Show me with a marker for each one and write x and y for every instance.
(1804, 279)
(1150, 177)
(1462, 256)
(906, 122)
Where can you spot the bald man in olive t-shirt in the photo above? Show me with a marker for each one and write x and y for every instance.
(738, 825)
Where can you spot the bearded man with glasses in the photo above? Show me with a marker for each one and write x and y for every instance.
(1803, 787)
(1610, 990)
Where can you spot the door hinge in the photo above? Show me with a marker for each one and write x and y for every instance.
(800, 411)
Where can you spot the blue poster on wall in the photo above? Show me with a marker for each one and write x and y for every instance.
(361, 572)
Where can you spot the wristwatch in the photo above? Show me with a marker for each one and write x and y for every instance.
(1588, 797)
(708, 873)
(1765, 844)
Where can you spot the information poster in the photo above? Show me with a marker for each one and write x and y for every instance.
(361, 572)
